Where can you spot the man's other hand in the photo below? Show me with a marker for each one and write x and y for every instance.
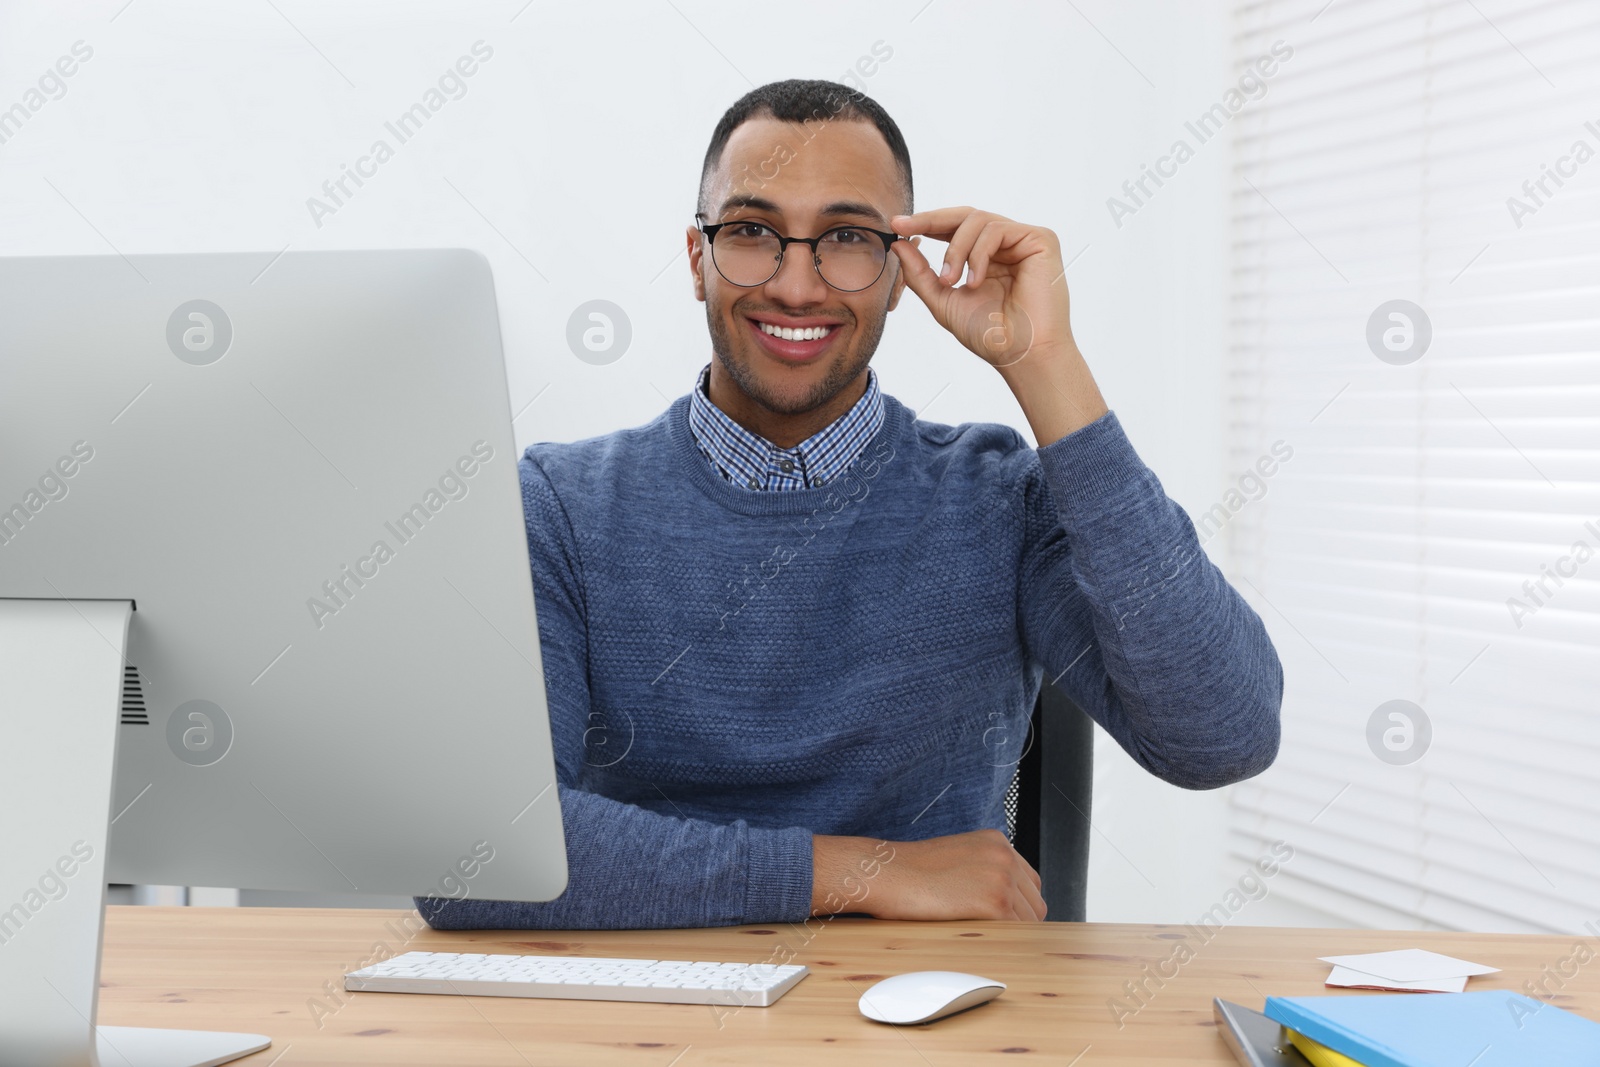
(976, 875)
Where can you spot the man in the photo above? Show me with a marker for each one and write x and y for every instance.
(792, 635)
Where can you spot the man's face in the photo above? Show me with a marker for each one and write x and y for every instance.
(771, 174)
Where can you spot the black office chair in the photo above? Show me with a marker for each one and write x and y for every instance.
(1047, 804)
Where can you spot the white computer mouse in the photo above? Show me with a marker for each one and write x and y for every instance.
(923, 996)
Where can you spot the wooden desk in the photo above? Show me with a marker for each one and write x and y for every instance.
(263, 969)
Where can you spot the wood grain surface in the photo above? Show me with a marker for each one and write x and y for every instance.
(1089, 994)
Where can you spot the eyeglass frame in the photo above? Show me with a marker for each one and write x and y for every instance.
(711, 231)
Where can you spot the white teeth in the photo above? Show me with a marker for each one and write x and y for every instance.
(809, 333)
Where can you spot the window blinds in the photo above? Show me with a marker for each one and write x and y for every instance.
(1415, 320)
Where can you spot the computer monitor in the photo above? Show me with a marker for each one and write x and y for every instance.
(266, 616)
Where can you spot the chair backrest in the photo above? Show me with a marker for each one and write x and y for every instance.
(1047, 804)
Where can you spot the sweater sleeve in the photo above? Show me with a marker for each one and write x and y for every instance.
(1130, 618)
(628, 868)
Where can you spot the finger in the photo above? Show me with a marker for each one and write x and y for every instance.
(920, 278)
(961, 243)
(1027, 872)
(938, 224)
(1035, 901)
(913, 243)
(994, 235)
(1023, 908)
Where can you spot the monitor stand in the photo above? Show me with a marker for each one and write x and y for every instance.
(60, 679)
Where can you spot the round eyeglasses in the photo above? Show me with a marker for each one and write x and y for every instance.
(848, 258)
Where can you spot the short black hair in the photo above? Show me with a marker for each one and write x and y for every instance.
(806, 101)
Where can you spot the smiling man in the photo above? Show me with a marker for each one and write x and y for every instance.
(792, 635)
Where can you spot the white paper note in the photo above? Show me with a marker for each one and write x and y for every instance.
(1410, 965)
(1352, 979)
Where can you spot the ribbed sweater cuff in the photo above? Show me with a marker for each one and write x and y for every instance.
(1092, 466)
(778, 877)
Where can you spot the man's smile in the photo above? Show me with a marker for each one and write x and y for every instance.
(794, 340)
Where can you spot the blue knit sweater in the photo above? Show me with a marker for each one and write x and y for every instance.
(731, 671)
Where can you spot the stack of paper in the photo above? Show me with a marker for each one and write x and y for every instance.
(1409, 970)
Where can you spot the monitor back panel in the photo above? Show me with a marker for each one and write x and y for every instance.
(302, 472)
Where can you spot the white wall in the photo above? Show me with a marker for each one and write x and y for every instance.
(199, 126)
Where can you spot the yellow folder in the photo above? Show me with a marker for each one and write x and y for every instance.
(1319, 1055)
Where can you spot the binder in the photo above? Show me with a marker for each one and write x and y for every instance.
(1256, 1040)
(1486, 1028)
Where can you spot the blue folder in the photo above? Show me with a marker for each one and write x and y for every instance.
(1487, 1028)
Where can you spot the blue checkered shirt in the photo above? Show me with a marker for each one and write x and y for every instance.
(755, 463)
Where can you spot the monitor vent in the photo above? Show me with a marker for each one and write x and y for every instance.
(133, 709)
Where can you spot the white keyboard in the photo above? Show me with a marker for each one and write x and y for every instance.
(578, 978)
